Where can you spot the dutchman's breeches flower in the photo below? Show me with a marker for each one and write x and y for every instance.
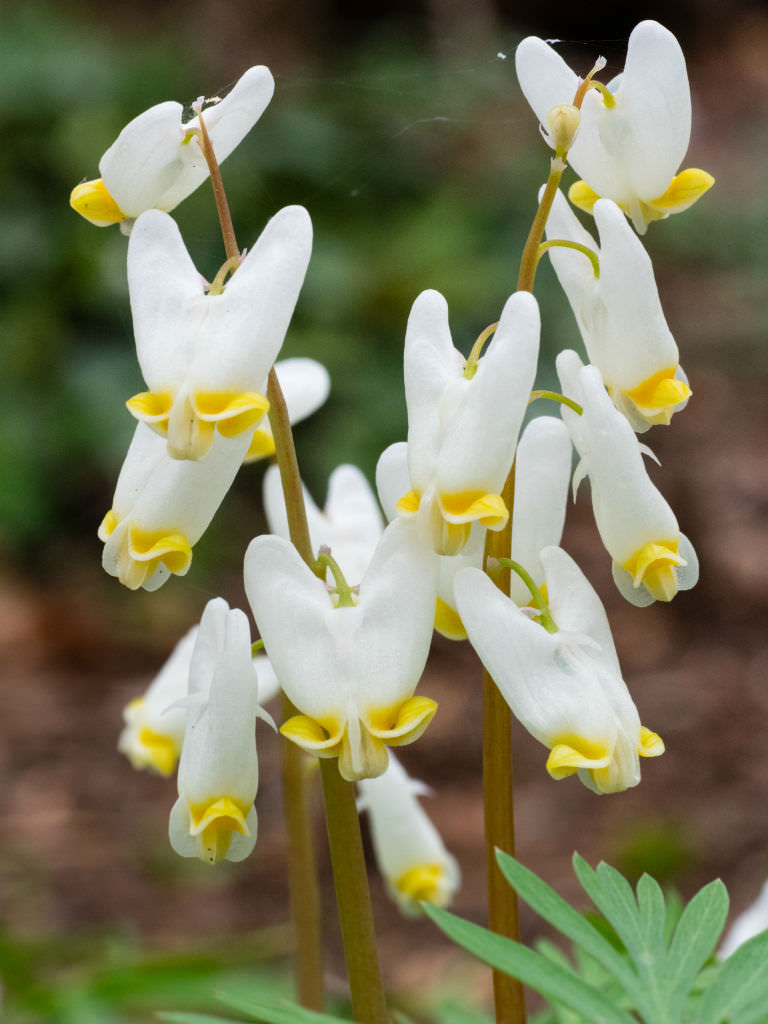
(214, 817)
(348, 662)
(154, 728)
(542, 478)
(162, 507)
(564, 687)
(156, 160)
(652, 559)
(350, 524)
(632, 138)
(205, 355)
(410, 854)
(619, 314)
(155, 723)
(463, 420)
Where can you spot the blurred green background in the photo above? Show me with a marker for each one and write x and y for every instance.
(403, 132)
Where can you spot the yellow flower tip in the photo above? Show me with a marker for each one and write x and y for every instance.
(683, 191)
(653, 567)
(658, 397)
(154, 547)
(403, 724)
(152, 408)
(475, 506)
(422, 882)
(651, 744)
(448, 621)
(408, 505)
(231, 412)
(582, 196)
(312, 736)
(92, 201)
(262, 446)
(572, 753)
(215, 824)
(158, 753)
(108, 525)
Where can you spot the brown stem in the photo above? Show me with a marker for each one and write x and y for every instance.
(498, 795)
(529, 259)
(222, 206)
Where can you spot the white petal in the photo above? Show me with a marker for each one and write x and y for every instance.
(544, 77)
(392, 477)
(305, 384)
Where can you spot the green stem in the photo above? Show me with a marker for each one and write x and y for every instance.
(498, 795)
(530, 257)
(353, 897)
(555, 396)
(563, 243)
(536, 596)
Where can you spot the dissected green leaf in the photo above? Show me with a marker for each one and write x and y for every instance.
(553, 908)
(554, 982)
(740, 987)
(693, 942)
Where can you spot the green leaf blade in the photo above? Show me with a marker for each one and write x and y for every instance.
(694, 941)
(552, 981)
(740, 988)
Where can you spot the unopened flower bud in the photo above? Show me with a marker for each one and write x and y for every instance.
(563, 122)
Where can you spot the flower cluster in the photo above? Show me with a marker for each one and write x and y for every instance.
(347, 628)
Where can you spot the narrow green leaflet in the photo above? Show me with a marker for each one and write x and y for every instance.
(650, 904)
(613, 896)
(553, 908)
(551, 980)
(194, 1018)
(694, 940)
(739, 992)
(283, 1012)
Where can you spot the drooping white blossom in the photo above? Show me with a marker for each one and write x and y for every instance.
(154, 727)
(350, 666)
(156, 161)
(631, 142)
(619, 314)
(162, 506)
(409, 850)
(565, 687)
(463, 420)
(155, 722)
(204, 356)
(350, 524)
(652, 559)
(214, 817)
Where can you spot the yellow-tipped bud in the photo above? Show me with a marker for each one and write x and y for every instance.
(92, 201)
(563, 123)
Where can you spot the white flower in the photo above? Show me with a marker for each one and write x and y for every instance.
(305, 384)
(463, 419)
(214, 817)
(156, 160)
(155, 723)
(162, 507)
(154, 728)
(410, 854)
(349, 668)
(542, 476)
(619, 314)
(752, 922)
(652, 559)
(565, 687)
(628, 146)
(350, 524)
(206, 356)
